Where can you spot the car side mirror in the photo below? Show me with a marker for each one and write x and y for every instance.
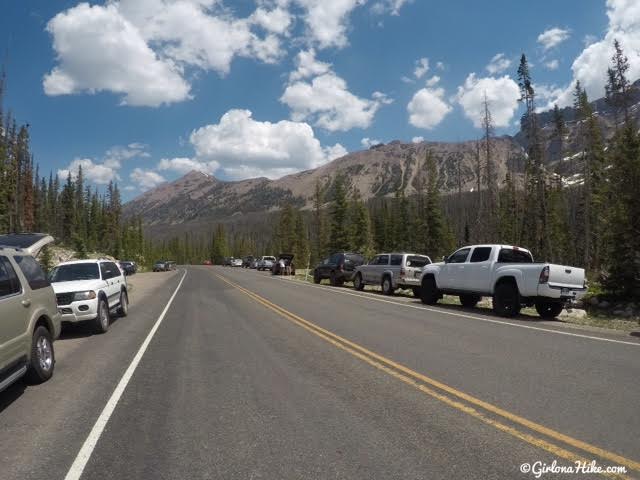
(445, 259)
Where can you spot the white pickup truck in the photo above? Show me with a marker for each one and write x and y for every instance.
(506, 273)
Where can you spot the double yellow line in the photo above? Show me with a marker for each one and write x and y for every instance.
(479, 409)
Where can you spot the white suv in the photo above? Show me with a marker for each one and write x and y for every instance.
(89, 290)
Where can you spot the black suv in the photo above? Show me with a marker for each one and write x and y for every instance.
(338, 268)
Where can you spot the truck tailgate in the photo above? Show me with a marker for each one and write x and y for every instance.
(563, 276)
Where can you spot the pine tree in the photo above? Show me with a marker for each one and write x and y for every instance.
(339, 238)
(360, 227)
(490, 213)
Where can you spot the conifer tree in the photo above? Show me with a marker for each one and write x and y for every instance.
(339, 237)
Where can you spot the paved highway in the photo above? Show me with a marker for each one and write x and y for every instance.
(232, 374)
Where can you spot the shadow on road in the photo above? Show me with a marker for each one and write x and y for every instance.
(84, 329)
(11, 394)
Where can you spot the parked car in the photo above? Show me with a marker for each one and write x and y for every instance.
(254, 263)
(228, 261)
(160, 266)
(29, 318)
(170, 265)
(247, 261)
(392, 271)
(88, 290)
(128, 267)
(266, 262)
(508, 274)
(284, 265)
(338, 268)
(207, 262)
(236, 262)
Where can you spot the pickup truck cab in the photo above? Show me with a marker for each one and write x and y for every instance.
(392, 271)
(506, 273)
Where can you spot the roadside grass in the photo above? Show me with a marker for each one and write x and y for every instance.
(591, 320)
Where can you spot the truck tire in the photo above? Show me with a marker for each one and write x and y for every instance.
(316, 277)
(429, 292)
(358, 284)
(387, 285)
(333, 280)
(101, 323)
(506, 300)
(549, 310)
(469, 300)
(42, 358)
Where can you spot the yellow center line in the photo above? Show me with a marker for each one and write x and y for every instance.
(412, 377)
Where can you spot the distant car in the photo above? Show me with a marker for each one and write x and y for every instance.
(159, 266)
(87, 290)
(338, 268)
(392, 271)
(266, 262)
(128, 267)
(170, 266)
(228, 261)
(207, 262)
(284, 265)
(29, 318)
(254, 263)
(237, 262)
(247, 261)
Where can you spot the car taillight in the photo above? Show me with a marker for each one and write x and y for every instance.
(402, 272)
(544, 275)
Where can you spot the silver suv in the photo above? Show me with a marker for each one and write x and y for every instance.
(30, 320)
(392, 271)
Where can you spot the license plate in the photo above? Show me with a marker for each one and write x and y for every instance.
(565, 291)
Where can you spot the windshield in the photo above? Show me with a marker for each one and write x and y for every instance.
(76, 271)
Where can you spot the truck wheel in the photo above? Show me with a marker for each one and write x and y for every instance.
(469, 301)
(101, 323)
(387, 286)
(316, 277)
(42, 358)
(416, 292)
(506, 300)
(123, 309)
(429, 292)
(333, 280)
(549, 309)
(358, 284)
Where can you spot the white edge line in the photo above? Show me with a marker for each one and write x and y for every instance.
(76, 469)
(462, 315)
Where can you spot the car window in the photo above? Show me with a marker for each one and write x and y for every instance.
(115, 271)
(383, 260)
(480, 254)
(396, 260)
(510, 255)
(9, 283)
(75, 271)
(335, 258)
(32, 271)
(460, 256)
(417, 261)
(105, 271)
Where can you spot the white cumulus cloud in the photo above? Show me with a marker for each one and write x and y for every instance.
(553, 37)
(146, 179)
(388, 6)
(99, 50)
(94, 172)
(590, 66)
(428, 108)
(422, 67)
(241, 147)
(328, 20)
(418, 139)
(498, 64)
(316, 94)
(502, 94)
(367, 142)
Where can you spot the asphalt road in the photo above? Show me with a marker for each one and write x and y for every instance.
(249, 376)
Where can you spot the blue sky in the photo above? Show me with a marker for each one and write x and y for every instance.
(141, 91)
